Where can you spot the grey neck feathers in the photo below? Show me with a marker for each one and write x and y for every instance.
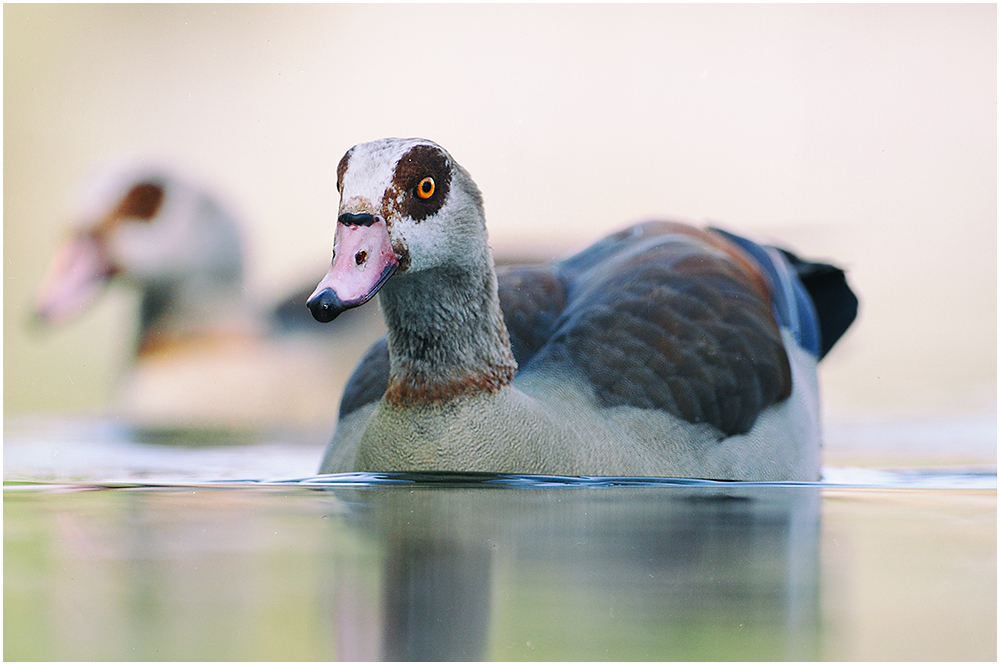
(201, 294)
(446, 332)
(198, 306)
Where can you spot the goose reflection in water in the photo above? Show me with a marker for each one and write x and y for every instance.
(717, 571)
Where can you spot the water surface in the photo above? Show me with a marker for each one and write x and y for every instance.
(122, 544)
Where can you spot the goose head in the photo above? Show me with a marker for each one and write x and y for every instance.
(150, 229)
(406, 207)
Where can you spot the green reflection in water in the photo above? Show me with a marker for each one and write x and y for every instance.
(171, 575)
(411, 572)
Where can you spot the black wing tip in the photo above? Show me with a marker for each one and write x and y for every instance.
(835, 301)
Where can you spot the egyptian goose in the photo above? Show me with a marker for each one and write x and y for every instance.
(206, 354)
(171, 240)
(662, 350)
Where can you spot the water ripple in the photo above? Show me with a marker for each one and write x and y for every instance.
(833, 477)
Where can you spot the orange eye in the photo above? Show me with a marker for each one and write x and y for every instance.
(425, 189)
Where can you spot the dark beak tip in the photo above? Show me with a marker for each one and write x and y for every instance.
(325, 306)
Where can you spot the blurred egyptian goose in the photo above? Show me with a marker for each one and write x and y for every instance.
(204, 354)
(170, 240)
(662, 350)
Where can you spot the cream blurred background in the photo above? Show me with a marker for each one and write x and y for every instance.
(861, 134)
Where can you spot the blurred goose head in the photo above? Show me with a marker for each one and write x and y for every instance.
(151, 229)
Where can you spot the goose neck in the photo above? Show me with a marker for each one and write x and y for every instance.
(447, 336)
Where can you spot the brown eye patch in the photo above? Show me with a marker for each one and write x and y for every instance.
(410, 192)
(342, 169)
(141, 202)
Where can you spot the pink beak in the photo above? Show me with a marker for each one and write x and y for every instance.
(363, 259)
(78, 272)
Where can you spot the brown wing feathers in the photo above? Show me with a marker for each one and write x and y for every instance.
(673, 323)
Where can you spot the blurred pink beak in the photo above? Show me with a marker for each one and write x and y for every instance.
(363, 260)
(77, 273)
